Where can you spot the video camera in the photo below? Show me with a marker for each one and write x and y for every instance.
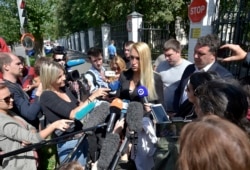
(76, 83)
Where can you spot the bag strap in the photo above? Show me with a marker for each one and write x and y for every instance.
(94, 78)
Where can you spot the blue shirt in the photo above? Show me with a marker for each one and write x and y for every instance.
(111, 49)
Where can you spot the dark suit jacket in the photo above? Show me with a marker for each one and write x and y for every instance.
(216, 67)
(123, 92)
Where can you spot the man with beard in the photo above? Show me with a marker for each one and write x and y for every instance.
(12, 67)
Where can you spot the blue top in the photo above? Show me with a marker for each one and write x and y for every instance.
(111, 49)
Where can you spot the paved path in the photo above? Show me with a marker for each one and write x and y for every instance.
(19, 50)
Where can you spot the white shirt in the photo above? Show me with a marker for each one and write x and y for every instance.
(205, 69)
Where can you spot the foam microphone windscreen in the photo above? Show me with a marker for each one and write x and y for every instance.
(109, 148)
(98, 115)
(134, 116)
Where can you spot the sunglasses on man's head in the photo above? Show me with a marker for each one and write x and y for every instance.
(7, 99)
(58, 60)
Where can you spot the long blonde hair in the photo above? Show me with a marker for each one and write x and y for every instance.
(49, 72)
(146, 69)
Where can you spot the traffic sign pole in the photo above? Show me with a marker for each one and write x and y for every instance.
(200, 13)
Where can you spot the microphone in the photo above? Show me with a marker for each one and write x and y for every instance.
(78, 116)
(97, 116)
(134, 118)
(109, 147)
(142, 92)
(75, 62)
(114, 85)
(115, 109)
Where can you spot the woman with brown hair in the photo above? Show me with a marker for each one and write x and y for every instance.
(117, 64)
(213, 144)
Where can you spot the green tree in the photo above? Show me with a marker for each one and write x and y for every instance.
(76, 15)
(9, 21)
(38, 14)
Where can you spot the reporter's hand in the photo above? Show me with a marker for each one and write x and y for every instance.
(62, 124)
(237, 52)
(119, 125)
(101, 92)
(147, 107)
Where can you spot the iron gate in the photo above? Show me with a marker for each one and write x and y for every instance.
(155, 36)
(232, 25)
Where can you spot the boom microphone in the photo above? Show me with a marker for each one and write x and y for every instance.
(134, 118)
(109, 147)
(115, 109)
(142, 91)
(75, 62)
(97, 116)
(78, 116)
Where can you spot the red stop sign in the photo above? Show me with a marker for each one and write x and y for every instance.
(197, 10)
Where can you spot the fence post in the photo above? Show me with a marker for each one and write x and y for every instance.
(105, 40)
(91, 37)
(69, 43)
(76, 38)
(134, 22)
(82, 40)
(72, 42)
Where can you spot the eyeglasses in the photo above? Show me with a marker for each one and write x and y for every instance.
(133, 57)
(58, 60)
(7, 99)
(115, 68)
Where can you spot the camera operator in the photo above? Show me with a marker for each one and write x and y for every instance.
(60, 56)
(80, 89)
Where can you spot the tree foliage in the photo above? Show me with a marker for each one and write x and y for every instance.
(9, 21)
(54, 18)
(76, 15)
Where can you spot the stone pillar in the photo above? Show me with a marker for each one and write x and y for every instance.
(134, 22)
(77, 45)
(72, 42)
(83, 43)
(105, 40)
(91, 37)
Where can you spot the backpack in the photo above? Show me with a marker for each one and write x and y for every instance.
(93, 76)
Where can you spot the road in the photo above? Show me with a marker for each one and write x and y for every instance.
(19, 50)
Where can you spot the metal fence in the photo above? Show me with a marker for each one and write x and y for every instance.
(233, 26)
(119, 34)
(154, 35)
